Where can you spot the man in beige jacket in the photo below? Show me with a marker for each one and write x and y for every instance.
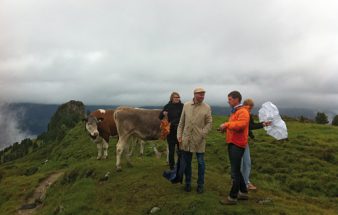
(195, 124)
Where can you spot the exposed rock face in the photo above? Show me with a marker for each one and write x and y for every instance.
(65, 118)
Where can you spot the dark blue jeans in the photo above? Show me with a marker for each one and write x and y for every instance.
(235, 157)
(187, 156)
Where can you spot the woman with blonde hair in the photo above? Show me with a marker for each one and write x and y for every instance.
(246, 161)
(172, 111)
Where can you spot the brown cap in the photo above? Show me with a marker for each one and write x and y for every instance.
(199, 90)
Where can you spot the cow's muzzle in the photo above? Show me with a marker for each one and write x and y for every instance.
(94, 135)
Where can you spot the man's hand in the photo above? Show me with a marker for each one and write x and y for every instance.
(179, 140)
(221, 128)
(165, 113)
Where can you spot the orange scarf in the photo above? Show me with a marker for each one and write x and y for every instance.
(165, 128)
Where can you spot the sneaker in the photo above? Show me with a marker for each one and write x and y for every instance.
(251, 187)
(187, 188)
(200, 189)
(242, 196)
(228, 201)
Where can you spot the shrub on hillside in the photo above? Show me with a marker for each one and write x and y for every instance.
(335, 121)
(321, 118)
(31, 171)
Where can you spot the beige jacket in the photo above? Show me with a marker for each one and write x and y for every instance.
(195, 124)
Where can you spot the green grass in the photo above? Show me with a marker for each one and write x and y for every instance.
(299, 176)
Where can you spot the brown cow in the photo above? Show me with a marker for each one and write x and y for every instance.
(100, 125)
(135, 122)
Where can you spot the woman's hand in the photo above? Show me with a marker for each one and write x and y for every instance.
(268, 123)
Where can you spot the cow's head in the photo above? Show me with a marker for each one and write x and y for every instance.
(92, 126)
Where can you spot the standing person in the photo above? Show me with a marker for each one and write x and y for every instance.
(237, 130)
(246, 161)
(195, 124)
(173, 111)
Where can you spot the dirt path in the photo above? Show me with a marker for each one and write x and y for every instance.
(36, 200)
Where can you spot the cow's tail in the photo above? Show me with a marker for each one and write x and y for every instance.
(116, 121)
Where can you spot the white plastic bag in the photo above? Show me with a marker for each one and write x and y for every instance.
(269, 113)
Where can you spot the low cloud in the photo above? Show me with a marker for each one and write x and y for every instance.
(10, 131)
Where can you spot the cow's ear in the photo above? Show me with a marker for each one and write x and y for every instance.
(100, 119)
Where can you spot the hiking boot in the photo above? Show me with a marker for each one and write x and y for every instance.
(187, 188)
(228, 201)
(251, 187)
(200, 189)
(242, 196)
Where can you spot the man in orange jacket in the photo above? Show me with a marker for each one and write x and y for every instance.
(237, 131)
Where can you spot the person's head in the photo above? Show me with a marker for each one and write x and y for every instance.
(249, 103)
(234, 98)
(199, 94)
(175, 97)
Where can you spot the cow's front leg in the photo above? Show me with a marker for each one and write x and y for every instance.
(105, 146)
(130, 149)
(99, 150)
(141, 147)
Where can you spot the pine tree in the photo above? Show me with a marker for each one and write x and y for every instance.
(335, 121)
(321, 118)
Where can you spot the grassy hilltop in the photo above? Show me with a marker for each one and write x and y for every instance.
(295, 177)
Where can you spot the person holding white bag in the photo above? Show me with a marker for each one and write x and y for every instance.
(246, 160)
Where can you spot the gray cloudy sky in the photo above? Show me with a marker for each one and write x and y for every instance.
(137, 52)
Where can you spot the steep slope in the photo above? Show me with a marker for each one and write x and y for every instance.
(65, 118)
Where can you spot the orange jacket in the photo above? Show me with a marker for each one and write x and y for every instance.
(237, 129)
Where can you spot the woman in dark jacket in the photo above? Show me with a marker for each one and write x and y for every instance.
(173, 111)
(246, 161)
(254, 126)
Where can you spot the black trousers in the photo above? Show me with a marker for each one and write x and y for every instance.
(235, 157)
(172, 143)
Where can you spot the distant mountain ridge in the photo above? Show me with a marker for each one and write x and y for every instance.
(35, 117)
